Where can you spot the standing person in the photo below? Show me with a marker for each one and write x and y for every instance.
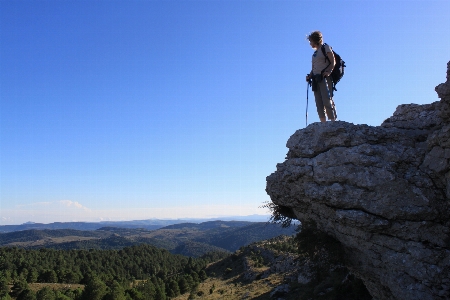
(321, 68)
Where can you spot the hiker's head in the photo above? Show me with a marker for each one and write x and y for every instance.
(315, 39)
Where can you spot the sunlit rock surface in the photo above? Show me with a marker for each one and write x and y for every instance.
(382, 192)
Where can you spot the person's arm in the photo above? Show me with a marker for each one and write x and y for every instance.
(330, 68)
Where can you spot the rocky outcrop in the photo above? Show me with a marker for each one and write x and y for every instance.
(382, 192)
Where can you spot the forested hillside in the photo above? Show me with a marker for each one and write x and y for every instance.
(234, 238)
(112, 274)
(301, 267)
(119, 263)
(196, 249)
(25, 237)
(305, 267)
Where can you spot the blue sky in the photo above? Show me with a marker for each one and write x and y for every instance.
(122, 110)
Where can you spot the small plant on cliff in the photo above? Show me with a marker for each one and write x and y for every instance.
(279, 214)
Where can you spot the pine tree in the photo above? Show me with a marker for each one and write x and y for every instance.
(18, 287)
(116, 292)
(160, 293)
(4, 288)
(148, 290)
(45, 293)
(174, 289)
(184, 285)
(202, 275)
(32, 276)
(26, 295)
(95, 289)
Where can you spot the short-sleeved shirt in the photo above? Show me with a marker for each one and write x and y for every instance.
(318, 60)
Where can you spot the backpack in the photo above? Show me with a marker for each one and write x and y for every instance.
(338, 70)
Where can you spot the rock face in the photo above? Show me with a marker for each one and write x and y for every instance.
(382, 192)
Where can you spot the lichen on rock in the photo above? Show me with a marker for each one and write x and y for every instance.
(382, 192)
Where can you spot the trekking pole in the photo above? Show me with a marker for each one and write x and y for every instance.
(308, 83)
(326, 85)
(307, 89)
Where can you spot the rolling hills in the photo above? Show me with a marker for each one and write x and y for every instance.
(190, 239)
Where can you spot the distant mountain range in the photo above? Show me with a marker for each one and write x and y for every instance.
(190, 239)
(150, 224)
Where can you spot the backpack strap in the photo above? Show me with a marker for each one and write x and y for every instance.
(324, 54)
(326, 57)
(329, 63)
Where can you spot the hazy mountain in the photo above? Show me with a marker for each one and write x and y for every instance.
(150, 224)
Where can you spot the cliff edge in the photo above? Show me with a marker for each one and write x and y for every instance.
(382, 192)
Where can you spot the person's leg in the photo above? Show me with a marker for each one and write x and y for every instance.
(326, 97)
(319, 104)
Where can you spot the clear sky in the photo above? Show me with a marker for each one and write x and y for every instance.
(122, 110)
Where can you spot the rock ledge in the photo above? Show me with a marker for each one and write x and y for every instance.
(382, 192)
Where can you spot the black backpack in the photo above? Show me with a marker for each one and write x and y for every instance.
(338, 70)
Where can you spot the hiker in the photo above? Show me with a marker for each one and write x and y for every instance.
(322, 85)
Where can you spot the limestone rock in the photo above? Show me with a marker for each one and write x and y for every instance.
(382, 192)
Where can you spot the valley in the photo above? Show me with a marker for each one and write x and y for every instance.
(189, 239)
(210, 260)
